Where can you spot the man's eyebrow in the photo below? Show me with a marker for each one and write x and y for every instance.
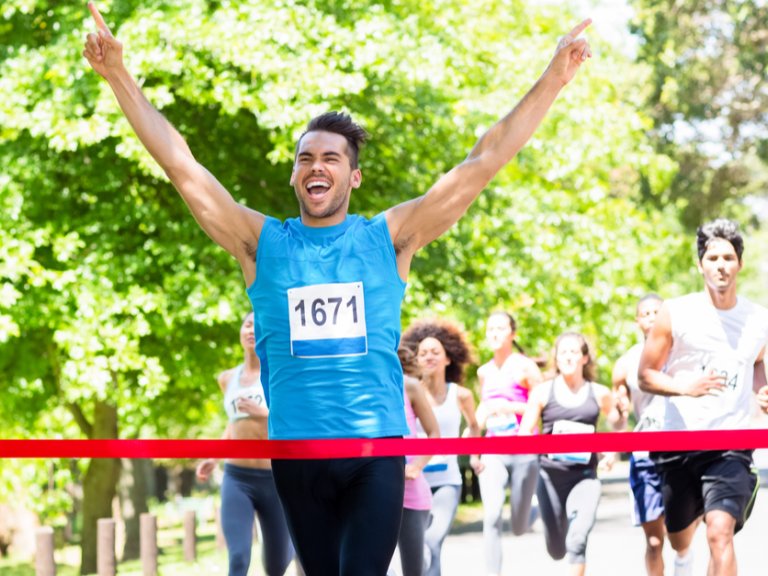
(324, 154)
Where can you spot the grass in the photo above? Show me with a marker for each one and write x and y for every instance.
(210, 559)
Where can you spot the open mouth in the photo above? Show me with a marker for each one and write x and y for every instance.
(317, 188)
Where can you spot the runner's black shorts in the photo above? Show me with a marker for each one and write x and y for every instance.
(694, 483)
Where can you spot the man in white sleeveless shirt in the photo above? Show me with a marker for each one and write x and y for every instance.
(705, 354)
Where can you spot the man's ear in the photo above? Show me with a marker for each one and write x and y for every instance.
(356, 178)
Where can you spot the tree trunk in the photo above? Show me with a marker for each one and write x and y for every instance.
(134, 490)
(99, 484)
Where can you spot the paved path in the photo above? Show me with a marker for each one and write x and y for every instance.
(615, 546)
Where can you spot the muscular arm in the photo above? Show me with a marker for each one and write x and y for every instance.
(414, 224)
(231, 225)
(655, 355)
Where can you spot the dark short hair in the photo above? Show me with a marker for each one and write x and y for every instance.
(720, 228)
(342, 124)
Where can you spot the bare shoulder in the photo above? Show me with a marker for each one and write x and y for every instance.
(463, 393)
(224, 377)
(411, 385)
(540, 393)
(530, 368)
(599, 390)
(403, 239)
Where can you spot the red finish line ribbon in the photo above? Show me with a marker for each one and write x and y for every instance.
(356, 448)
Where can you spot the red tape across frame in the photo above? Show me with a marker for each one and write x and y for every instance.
(355, 448)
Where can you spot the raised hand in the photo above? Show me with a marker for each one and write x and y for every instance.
(102, 50)
(570, 53)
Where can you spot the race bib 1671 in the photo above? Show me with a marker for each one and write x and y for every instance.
(327, 320)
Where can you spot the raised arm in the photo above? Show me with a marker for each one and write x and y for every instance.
(655, 355)
(415, 223)
(231, 225)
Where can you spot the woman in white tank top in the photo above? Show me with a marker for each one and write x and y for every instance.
(248, 490)
(442, 353)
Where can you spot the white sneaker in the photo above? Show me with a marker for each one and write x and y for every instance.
(684, 564)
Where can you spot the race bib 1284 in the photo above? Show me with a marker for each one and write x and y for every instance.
(327, 320)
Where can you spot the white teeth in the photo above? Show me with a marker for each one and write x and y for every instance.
(316, 185)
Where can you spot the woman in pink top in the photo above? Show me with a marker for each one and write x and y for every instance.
(417, 500)
(505, 382)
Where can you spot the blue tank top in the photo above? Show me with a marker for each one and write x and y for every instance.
(326, 305)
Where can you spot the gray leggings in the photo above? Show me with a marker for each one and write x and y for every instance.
(519, 473)
(411, 541)
(247, 493)
(568, 504)
(445, 501)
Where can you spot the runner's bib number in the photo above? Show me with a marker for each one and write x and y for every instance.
(729, 368)
(246, 394)
(327, 320)
(568, 427)
(502, 425)
(437, 463)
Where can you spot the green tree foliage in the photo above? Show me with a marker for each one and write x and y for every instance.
(708, 99)
(116, 311)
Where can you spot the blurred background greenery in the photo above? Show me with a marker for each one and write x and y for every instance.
(117, 312)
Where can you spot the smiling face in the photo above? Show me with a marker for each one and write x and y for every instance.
(432, 357)
(720, 265)
(323, 178)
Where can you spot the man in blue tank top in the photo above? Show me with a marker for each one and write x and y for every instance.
(326, 289)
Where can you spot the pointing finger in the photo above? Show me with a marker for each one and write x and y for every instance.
(98, 18)
(579, 28)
